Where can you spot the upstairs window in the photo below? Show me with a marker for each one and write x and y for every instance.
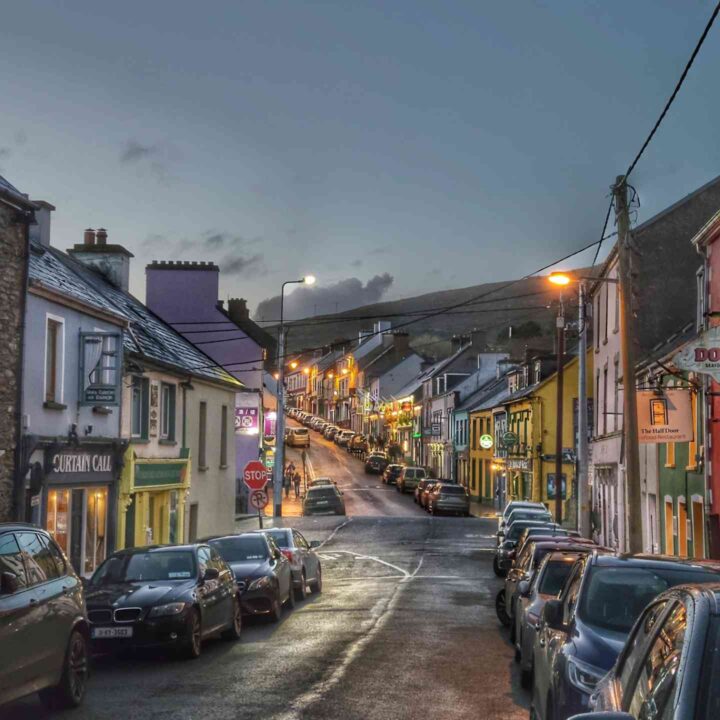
(54, 353)
(223, 436)
(202, 437)
(167, 411)
(140, 408)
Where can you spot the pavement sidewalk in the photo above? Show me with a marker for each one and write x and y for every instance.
(482, 510)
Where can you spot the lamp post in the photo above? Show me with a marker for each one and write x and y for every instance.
(279, 466)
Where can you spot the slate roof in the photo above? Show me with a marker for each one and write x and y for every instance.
(147, 336)
(491, 394)
(328, 360)
(9, 191)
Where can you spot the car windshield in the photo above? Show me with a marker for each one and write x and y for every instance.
(516, 530)
(614, 597)
(281, 537)
(301, 431)
(145, 566)
(529, 515)
(322, 493)
(241, 549)
(554, 577)
(452, 490)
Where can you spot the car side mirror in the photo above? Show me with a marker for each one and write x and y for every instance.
(9, 583)
(211, 573)
(612, 715)
(552, 615)
(314, 543)
(524, 588)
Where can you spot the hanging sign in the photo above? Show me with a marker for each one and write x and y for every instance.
(486, 442)
(664, 417)
(701, 355)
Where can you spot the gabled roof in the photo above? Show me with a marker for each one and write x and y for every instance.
(13, 195)
(328, 360)
(488, 395)
(147, 335)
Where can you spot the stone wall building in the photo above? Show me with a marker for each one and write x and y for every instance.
(16, 213)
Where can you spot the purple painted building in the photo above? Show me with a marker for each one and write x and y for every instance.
(185, 295)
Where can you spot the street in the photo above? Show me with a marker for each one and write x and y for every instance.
(405, 621)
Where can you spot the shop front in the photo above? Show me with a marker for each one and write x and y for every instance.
(78, 505)
(520, 478)
(153, 492)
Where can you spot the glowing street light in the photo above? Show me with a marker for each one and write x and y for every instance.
(344, 371)
(309, 279)
(306, 370)
(559, 278)
(293, 364)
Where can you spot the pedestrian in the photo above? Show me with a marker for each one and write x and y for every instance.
(296, 483)
(286, 485)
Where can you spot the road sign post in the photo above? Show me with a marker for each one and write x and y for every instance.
(255, 477)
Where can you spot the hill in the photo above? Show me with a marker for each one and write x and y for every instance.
(528, 305)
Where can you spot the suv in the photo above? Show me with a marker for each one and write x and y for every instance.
(43, 622)
(298, 437)
(409, 478)
(343, 437)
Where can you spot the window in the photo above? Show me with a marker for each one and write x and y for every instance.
(670, 455)
(606, 287)
(39, 562)
(604, 399)
(616, 394)
(572, 594)
(616, 292)
(140, 406)
(655, 686)
(597, 403)
(596, 321)
(167, 411)
(204, 560)
(223, 436)
(56, 556)
(692, 445)
(11, 559)
(202, 437)
(54, 350)
(700, 304)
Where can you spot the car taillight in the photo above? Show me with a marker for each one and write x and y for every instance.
(288, 554)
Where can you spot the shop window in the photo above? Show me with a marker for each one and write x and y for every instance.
(167, 411)
(223, 436)
(140, 407)
(54, 349)
(670, 455)
(202, 436)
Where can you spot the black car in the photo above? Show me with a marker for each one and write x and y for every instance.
(670, 663)
(323, 500)
(263, 573)
(583, 631)
(392, 473)
(44, 632)
(304, 562)
(508, 540)
(168, 596)
(376, 463)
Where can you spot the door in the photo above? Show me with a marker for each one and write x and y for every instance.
(193, 523)
(682, 529)
(49, 633)
(17, 622)
(310, 559)
(698, 526)
(669, 534)
(226, 587)
(207, 593)
(76, 528)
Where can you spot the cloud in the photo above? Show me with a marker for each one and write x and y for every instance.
(356, 263)
(243, 266)
(306, 301)
(378, 251)
(155, 158)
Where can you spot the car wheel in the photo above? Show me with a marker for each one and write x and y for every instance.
(193, 642)
(526, 678)
(70, 691)
(233, 632)
(316, 586)
(291, 594)
(500, 610)
(301, 593)
(497, 569)
(276, 609)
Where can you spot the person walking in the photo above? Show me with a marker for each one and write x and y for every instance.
(286, 485)
(296, 483)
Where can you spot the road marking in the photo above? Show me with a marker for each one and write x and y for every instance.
(334, 532)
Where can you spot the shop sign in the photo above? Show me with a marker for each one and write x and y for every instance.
(486, 442)
(665, 417)
(150, 474)
(246, 420)
(435, 429)
(509, 439)
(524, 464)
(551, 486)
(701, 355)
(84, 465)
(100, 371)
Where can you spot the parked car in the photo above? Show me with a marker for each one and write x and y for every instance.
(546, 582)
(670, 663)
(44, 629)
(304, 562)
(507, 543)
(330, 431)
(582, 632)
(323, 500)
(376, 463)
(420, 487)
(297, 437)
(358, 444)
(392, 473)
(318, 481)
(409, 478)
(515, 504)
(425, 494)
(263, 573)
(448, 498)
(172, 596)
(525, 514)
(343, 437)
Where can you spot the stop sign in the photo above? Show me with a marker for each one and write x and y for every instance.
(255, 475)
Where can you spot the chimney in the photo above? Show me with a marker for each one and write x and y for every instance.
(478, 338)
(401, 344)
(111, 261)
(237, 310)
(40, 229)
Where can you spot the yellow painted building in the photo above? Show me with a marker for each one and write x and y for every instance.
(531, 415)
(481, 479)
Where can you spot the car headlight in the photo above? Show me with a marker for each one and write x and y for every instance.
(583, 675)
(169, 609)
(260, 584)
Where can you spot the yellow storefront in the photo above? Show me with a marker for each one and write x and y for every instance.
(482, 441)
(151, 506)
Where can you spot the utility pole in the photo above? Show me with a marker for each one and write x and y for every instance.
(583, 517)
(279, 468)
(560, 325)
(628, 338)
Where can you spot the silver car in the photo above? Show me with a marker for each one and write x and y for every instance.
(304, 561)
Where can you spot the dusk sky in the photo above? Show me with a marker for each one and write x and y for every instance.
(443, 143)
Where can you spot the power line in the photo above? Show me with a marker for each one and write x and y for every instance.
(602, 234)
(675, 91)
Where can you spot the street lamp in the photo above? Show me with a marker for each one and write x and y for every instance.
(280, 423)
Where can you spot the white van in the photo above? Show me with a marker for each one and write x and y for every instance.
(298, 437)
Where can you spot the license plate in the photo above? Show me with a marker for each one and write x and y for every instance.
(323, 502)
(112, 632)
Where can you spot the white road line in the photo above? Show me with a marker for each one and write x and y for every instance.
(334, 532)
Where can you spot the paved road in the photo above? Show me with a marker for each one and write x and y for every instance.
(365, 495)
(404, 628)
